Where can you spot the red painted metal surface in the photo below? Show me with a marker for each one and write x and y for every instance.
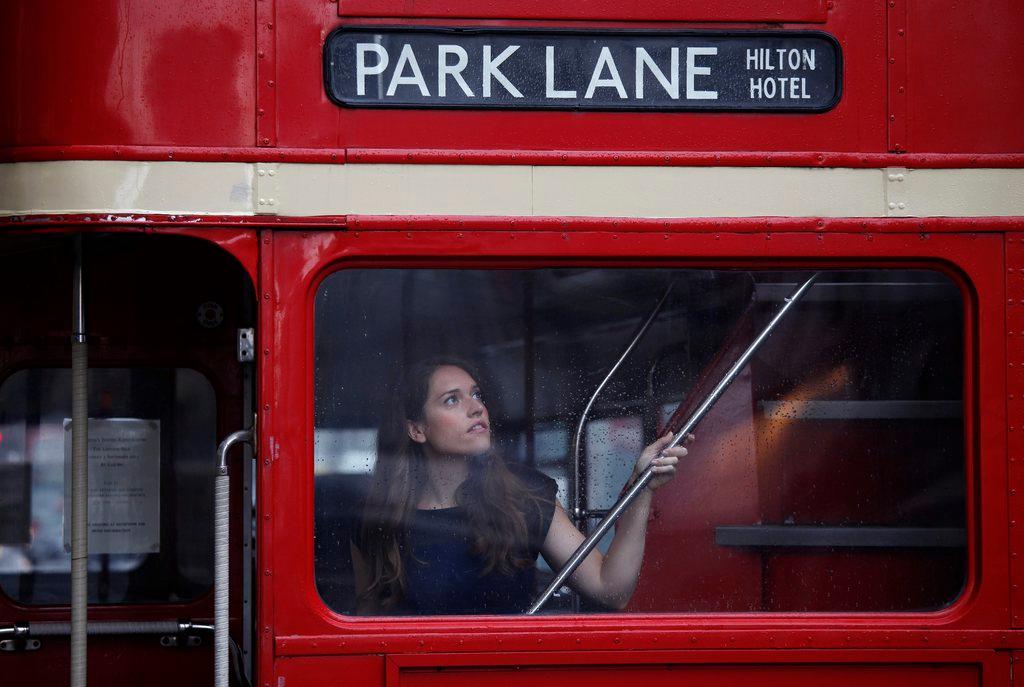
(822, 226)
(266, 73)
(951, 106)
(865, 228)
(270, 513)
(595, 158)
(896, 64)
(1015, 415)
(352, 671)
(112, 72)
(639, 10)
(851, 669)
(249, 75)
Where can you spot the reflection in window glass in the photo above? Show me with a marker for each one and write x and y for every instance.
(612, 447)
(829, 476)
(166, 451)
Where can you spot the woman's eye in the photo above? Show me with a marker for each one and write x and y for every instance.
(478, 395)
(451, 400)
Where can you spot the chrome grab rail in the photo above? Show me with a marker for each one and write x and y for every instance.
(640, 484)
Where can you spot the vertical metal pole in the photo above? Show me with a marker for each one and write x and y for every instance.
(79, 476)
(222, 558)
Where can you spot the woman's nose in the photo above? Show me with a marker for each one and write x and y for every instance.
(476, 407)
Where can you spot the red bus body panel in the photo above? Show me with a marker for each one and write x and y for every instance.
(232, 75)
(220, 80)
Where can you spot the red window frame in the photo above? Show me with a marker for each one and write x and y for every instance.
(296, 622)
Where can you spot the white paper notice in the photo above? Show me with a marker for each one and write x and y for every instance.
(124, 485)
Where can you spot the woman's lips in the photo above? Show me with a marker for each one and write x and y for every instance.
(478, 428)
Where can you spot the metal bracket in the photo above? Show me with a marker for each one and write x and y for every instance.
(267, 199)
(246, 345)
(182, 640)
(20, 644)
(897, 200)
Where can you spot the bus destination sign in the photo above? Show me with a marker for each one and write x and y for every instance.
(779, 71)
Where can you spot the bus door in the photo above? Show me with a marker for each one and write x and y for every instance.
(168, 325)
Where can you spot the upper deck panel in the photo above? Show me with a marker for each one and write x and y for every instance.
(857, 123)
(115, 72)
(242, 75)
(607, 10)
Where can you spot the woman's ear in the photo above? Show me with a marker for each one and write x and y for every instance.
(416, 431)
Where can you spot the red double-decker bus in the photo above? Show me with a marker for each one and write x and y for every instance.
(794, 228)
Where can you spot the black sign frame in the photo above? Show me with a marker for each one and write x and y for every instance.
(611, 33)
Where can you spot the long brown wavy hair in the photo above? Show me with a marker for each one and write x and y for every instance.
(494, 498)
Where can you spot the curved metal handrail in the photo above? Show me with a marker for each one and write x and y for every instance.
(577, 437)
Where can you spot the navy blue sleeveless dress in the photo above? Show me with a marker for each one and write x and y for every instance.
(444, 576)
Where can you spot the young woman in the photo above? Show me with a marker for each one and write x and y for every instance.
(449, 527)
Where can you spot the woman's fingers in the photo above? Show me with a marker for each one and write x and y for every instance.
(663, 441)
(664, 464)
(663, 467)
(661, 475)
(661, 459)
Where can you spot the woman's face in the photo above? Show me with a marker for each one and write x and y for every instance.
(455, 420)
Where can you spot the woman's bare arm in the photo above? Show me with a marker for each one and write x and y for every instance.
(611, 579)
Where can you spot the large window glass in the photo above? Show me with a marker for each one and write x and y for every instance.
(830, 476)
(151, 464)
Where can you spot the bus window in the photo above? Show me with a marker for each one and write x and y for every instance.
(152, 433)
(830, 476)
